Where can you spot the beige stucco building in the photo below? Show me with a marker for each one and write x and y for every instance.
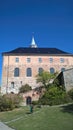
(20, 66)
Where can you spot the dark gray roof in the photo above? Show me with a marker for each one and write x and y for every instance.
(36, 51)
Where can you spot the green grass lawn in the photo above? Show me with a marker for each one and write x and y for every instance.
(45, 118)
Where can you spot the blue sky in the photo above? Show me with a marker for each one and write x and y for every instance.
(50, 20)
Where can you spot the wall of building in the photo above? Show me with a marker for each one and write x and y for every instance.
(68, 79)
(9, 64)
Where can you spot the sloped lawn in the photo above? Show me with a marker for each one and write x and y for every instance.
(45, 118)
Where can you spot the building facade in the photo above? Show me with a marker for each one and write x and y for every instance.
(65, 79)
(20, 66)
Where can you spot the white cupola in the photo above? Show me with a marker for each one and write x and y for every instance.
(33, 44)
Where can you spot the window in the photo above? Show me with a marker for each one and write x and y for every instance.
(62, 60)
(52, 71)
(62, 69)
(40, 60)
(28, 60)
(17, 59)
(12, 84)
(40, 70)
(51, 60)
(16, 72)
(29, 72)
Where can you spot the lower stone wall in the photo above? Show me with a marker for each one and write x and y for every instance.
(68, 79)
(18, 82)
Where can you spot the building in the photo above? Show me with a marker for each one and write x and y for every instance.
(21, 65)
(65, 79)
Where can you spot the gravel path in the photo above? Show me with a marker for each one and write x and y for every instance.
(4, 127)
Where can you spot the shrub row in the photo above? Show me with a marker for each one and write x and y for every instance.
(9, 102)
(55, 96)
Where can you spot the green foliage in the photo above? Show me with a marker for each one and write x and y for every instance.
(54, 96)
(57, 84)
(25, 88)
(44, 78)
(70, 93)
(54, 93)
(35, 102)
(9, 102)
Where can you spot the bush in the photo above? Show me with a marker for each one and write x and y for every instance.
(54, 96)
(9, 102)
(70, 93)
(35, 102)
(25, 88)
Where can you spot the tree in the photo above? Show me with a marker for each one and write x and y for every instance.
(45, 77)
(25, 88)
(54, 96)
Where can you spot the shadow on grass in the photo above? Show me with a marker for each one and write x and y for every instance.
(28, 113)
(68, 108)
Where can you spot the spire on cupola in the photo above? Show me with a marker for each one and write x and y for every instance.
(33, 44)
